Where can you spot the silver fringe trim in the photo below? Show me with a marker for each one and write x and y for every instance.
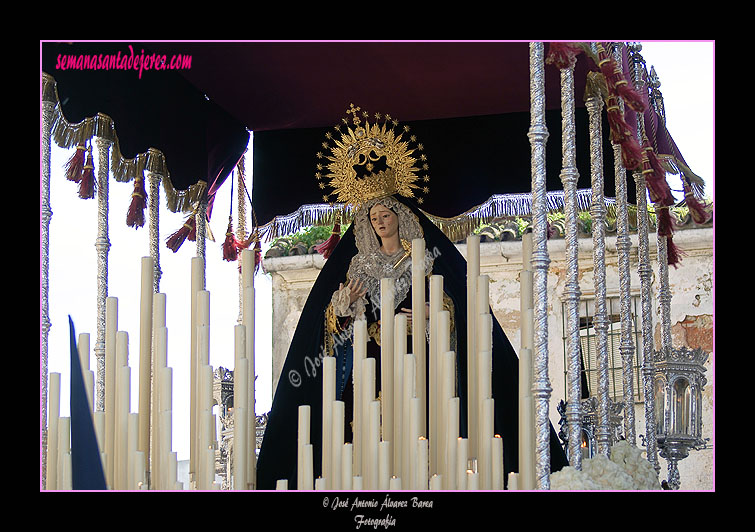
(68, 135)
(499, 206)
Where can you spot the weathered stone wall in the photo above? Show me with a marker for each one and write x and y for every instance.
(691, 311)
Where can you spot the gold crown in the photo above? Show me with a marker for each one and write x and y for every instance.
(371, 160)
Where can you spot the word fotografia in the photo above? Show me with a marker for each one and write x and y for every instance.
(388, 503)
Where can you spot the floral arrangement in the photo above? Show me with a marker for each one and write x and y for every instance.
(627, 469)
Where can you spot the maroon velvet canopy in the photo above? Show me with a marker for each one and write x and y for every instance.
(468, 103)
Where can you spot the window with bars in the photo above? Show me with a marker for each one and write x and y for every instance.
(589, 345)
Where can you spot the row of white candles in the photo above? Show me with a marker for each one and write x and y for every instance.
(121, 438)
(399, 443)
(136, 448)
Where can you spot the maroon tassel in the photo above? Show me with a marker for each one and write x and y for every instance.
(563, 54)
(75, 165)
(326, 248)
(231, 244)
(697, 210)
(87, 184)
(621, 134)
(135, 215)
(655, 178)
(664, 221)
(673, 253)
(617, 84)
(257, 255)
(176, 239)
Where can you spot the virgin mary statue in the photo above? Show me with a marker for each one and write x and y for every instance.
(373, 170)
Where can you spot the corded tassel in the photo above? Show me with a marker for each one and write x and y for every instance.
(617, 84)
(697, 210)
(664, 221)
(135, 215)
(326, 248)
(674, 254)
(230, 244)
(621, 134)
(257, 255)
(563, 54)
(75, 165)
(87, 184)
(655, 178)
(175, 240)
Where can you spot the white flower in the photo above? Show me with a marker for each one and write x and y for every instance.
(631, 460)
(570, 478)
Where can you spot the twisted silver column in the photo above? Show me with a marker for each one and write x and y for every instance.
(48, 110)
(645, 271)
(569, 178)
(102, 245)
(241, 224)
(201, 225)
(600, 318)
(623, 247)
(541, 389)
(153, 195)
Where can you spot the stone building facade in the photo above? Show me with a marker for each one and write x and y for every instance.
(692, 289)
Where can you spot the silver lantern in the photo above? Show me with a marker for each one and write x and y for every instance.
(679, 382)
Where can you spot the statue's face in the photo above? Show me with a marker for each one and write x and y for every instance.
(384, 221)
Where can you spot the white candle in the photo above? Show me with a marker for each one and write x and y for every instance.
(356, 483)
(422, 463)
(399, 352)
(320, 484)
(132, 443)
(111, 329)
(395, 483)
(145, 353)
(526, 423)
(168, 477)
(462, 455)
(513, 481)
(53, 418)
(486, 437)
(497, 461)
(473, 480)
(435, 369)
(308, 475)
(303, 435)
(373, 440)
(64, 454)
(407, 433)
(368, 395)
(240, 442)
(360, 353)
(436, 482)
(281, 484)
(347, 466)
(414, 435)
(473, 272)
(159, 363)
(121, 444)
(197, 284)
(450, 474)
(336, 443)
(387, 307)
(418, 324)
(248, 322)
(328, 396)
(384, 465)
(448, 391)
